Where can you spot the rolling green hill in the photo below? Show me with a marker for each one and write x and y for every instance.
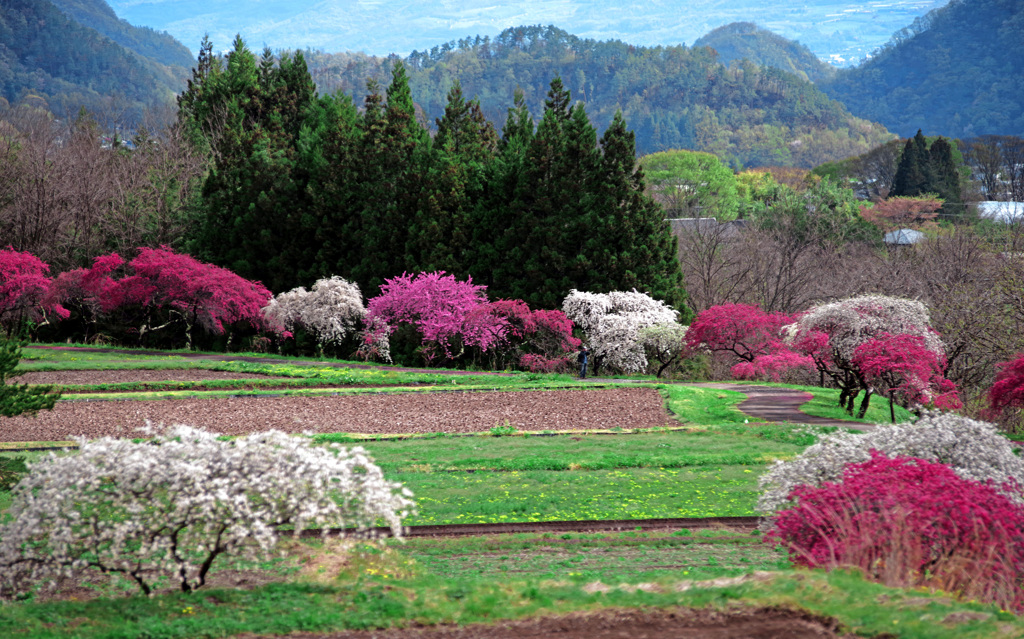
(49, 58)
(672, 97)
(955, 72)
(745, 40)
(160, 47)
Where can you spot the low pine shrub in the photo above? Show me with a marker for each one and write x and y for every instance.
(909, 522)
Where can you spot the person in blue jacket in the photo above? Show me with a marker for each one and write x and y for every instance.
(581, 359)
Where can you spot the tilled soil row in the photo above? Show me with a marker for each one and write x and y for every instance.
(380, 414)
(71, 378)
(673, 623)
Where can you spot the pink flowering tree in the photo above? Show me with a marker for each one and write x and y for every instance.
(741, 330)
(830, 334)
(25, 291)
(435, 306)
(514, 335)
(750, 335)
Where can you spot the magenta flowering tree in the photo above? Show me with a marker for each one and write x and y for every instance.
(436, 306)
(750, 335)
(830, 335)
(25, 291)
(514, 335)
(1007, 392)
(742, 330)
(161, 289)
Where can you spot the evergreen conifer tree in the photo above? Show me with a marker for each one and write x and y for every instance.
(913, 174)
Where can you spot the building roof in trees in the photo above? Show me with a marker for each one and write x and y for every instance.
(1008, 212)
(904, 237)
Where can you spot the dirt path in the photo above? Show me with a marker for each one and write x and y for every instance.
(779, 405)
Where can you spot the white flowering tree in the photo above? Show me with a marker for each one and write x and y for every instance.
(612, 323)
(329, 312)
(831, 334)
(974, 449)
(172, 505)
(665, 343)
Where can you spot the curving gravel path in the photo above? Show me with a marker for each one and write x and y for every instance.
(384, 413)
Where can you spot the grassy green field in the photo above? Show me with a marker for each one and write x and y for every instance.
(707, 466)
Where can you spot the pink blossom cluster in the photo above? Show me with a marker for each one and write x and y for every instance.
(874, 343)
(907, 521)
(451, 315)
(26, 291)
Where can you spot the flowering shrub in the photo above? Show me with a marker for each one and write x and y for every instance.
(330, 311)
(171, 506)
(612, 323)
(973, 449)
(908, 522)
(161, 288)
(25, 290)
(539, 341)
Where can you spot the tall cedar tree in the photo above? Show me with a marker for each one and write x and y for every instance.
(441, 236)
(393, 153)
(929, 170)
(577, 217)
(913, 175)
(254, 198)
(492, 226)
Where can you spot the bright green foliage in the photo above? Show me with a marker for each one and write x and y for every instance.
(16, 399)
(692, 184)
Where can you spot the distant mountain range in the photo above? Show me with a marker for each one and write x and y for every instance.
(954, 71)
(843, 30)
(49, 58)
(958, 71)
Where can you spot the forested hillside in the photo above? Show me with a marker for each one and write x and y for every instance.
(47, 57)
(161, 47)
(954, 72)
(745, 40)
(673, 97)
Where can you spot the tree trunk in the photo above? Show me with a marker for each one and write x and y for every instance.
(864, 404)
(892, 408)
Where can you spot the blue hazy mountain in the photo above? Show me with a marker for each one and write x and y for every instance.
(844, 30)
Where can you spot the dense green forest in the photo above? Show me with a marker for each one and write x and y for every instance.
(161, 47)
(304, 185)
(955, 72)
(673, 97)
(49, 59)
(745, 40)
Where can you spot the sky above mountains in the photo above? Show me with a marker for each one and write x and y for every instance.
(840, 30)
